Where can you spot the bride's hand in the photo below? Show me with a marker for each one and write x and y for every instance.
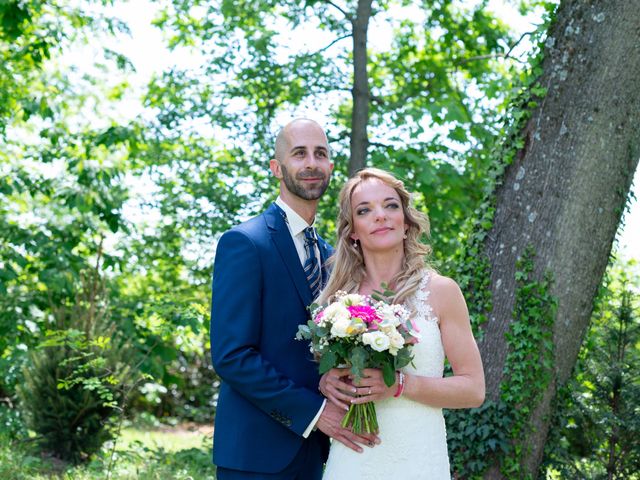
(336, 386)
(371, 387)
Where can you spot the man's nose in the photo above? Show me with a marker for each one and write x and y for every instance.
(312, 161)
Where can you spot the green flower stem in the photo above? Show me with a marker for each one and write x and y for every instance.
(361, 418)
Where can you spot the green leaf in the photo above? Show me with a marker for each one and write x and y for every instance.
(304, 333)
(403, 358)
(358, 360)
(327, 362)
(389, 374)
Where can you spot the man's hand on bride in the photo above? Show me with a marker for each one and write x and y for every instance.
(336, 386)
(330, 424)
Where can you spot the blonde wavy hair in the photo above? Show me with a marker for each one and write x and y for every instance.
(348, 261)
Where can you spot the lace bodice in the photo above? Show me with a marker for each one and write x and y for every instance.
(413, 434)
(428, 353)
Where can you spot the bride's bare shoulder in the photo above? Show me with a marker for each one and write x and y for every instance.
(441, 284)
(445, 297)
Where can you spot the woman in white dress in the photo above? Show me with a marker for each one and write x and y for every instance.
(379, 243)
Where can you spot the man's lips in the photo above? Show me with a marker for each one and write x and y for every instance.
(312, 179)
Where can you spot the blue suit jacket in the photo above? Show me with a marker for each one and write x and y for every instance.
(269, 391)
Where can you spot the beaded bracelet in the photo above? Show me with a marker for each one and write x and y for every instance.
(400, 384)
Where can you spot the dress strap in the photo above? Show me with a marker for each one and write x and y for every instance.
(421, 300)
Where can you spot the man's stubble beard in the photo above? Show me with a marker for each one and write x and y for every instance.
(298, 189)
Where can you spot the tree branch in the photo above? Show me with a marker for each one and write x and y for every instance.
(346, 15)
(380, 145)
(506, 55)
(327, 47)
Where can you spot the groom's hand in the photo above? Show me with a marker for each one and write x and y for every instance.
(329, 423)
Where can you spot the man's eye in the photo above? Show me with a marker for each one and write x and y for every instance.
(321, 153)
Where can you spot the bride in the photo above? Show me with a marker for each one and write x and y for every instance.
(379, 243)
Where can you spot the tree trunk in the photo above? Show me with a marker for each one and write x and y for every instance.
(360, 92)
(565, 191)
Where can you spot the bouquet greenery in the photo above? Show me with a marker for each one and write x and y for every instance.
(361, 331)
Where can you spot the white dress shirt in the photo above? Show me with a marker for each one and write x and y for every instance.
(296, 225)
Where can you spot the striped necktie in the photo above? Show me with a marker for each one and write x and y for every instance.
(311, 264)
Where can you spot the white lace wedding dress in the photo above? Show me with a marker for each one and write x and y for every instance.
(413, 435)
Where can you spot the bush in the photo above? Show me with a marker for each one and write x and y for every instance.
(71, 414)
(11, 422)
(596, 430)
(73, 383)
(188, 390)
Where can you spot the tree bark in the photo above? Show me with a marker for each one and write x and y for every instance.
(360, 92)
(565, 191)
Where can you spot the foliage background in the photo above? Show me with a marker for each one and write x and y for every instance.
(90, 186)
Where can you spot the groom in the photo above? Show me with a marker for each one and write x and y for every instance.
(271, 420)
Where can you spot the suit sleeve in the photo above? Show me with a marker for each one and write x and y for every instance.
(236, 324)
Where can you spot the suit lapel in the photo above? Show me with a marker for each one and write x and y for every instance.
(284, 243)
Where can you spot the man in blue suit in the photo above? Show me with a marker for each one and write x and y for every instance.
(271, 420)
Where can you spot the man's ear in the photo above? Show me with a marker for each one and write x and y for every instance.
(274, 166)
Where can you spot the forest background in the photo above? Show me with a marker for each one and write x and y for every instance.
(126, 149)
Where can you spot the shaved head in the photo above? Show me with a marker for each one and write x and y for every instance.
(283, 140)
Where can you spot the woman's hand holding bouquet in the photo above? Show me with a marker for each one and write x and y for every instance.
(361, 332)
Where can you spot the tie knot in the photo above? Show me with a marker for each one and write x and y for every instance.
(310, 236)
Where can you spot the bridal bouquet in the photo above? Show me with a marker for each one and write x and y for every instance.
(361, 332)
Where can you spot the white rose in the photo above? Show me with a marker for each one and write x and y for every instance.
(336, 312)
(377, 340)
(352, 299)
(396, 340)
(388, 315)
(386, 329)
(340, 327)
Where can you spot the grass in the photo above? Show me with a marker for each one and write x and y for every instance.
(169, 439)
(158, 454)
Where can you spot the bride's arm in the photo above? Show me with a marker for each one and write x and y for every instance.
(465, 388)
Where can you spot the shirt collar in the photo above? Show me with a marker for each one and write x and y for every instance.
(296, 223)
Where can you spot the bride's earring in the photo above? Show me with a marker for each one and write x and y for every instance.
(355, 243)
(405, 235)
